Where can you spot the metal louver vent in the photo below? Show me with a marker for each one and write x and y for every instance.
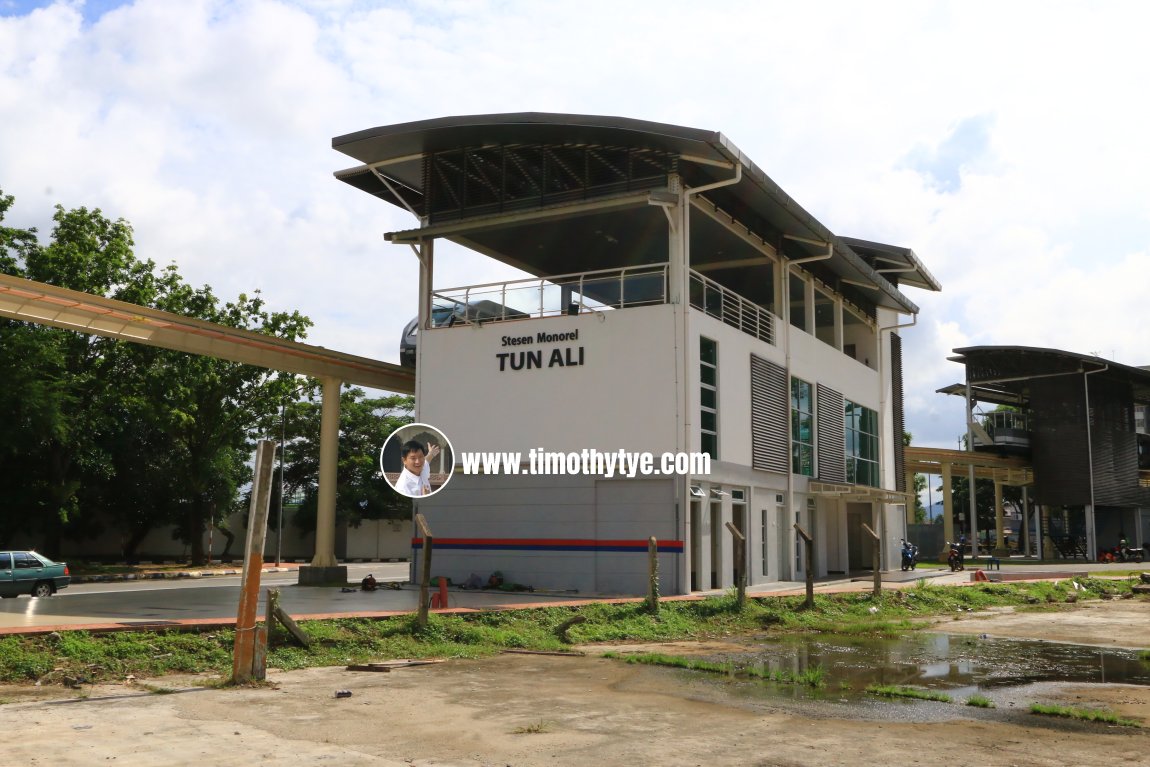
(769, 406)
(829, 431)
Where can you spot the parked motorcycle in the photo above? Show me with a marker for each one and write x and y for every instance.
(1123, 553)
(954, 559)
(909, 555)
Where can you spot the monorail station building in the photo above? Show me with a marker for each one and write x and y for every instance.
(1080, 422)
(679, 302)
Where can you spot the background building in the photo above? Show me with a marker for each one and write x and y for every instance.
(1080, 422)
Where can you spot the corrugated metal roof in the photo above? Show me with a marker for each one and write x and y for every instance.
(397, 152)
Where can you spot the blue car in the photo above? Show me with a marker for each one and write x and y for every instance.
(26, 572)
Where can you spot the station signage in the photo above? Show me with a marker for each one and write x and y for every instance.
(552, 356)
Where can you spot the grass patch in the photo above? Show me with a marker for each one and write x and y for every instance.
(151, 653)
(1083, 714)
(814, 676)
(979, 701)
(893, 691)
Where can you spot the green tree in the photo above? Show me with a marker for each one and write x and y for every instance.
(364, 425)
(56, 407)
(919, 485)
(139, 436)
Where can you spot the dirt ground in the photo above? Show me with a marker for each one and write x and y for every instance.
(525, 710)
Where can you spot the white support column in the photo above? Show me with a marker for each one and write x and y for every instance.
(947, 505)
(999, 537)
(328, 458)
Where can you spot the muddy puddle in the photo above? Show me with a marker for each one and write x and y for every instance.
(1011, 673)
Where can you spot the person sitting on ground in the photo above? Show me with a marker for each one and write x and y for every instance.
(368, 583)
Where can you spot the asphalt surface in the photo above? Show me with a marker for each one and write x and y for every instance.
(210, 600)
(194, 599)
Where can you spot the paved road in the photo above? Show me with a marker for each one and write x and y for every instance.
(157, 602)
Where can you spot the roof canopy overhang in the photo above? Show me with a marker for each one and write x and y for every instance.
(38, 302)
(558, 194)
(1001, 375)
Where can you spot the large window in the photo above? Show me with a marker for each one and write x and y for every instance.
(798, 300)
(709, 397)
(861, 427)
(825, 314)
(802, 428)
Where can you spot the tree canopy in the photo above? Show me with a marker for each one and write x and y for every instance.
(102, 432)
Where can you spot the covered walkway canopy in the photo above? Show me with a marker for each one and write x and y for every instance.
(1003, 470)
(30, 301)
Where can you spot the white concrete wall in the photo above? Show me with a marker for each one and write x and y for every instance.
(554, 532)
(379, 539)
(623, 395)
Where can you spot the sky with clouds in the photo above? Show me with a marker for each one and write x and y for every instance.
(1003, 142)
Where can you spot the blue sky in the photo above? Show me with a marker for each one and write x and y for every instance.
(91, 9)
(1003, 142)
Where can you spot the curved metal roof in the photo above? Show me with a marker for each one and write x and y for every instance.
(392, 169)
(1001, 373)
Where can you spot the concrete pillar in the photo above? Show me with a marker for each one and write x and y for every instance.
(947, 508)
(910, 489)
(328, 460)
(1026, 525)
(999, 540)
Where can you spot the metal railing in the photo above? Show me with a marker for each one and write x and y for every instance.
(732, 309)
(564, 294)
(1007, 428)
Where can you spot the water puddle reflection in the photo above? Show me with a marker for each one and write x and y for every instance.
(1010, 672)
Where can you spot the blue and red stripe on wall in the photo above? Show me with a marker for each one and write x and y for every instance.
(549, 544)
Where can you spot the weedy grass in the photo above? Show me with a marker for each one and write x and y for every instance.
(535, 728)
(814, 676)
(1083, 714)
(979, 701)
(156, 652)
(893, 691)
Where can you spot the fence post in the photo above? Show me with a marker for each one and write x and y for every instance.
(810, 551)
(245, 655)
(875, 560)
(425, 578)
(653, 576)
(740, 565)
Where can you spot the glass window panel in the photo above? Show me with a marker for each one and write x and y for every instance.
(798, 291)
(806, 431)
(707, 375)
(708, 351)
(708, 421)
(825, 312)
(707, 397)
(710, 444)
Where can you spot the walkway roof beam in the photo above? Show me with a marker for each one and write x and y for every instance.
(38, 302)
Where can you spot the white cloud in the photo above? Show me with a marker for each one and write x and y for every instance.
(208, 126)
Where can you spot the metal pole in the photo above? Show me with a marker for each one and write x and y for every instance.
(970, 473)
(1091, 543)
